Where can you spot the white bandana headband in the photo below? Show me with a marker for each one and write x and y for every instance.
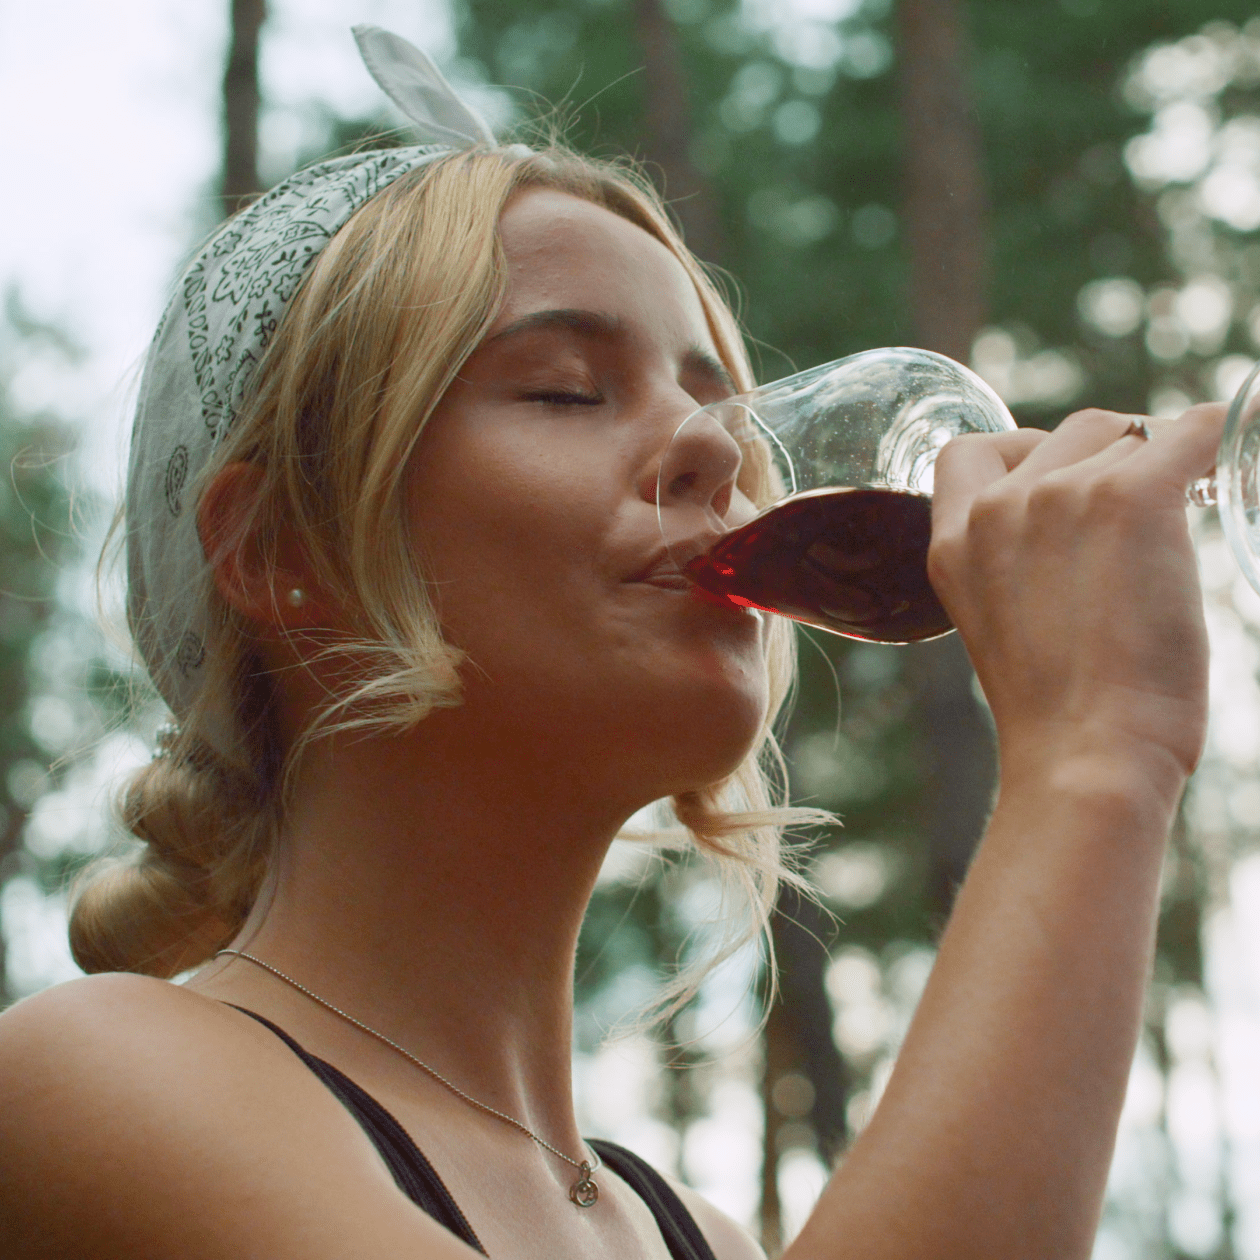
(214, 332)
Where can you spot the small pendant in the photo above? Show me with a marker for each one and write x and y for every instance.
(584, 1191)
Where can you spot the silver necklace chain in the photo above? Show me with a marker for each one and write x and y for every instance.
(583, 1192)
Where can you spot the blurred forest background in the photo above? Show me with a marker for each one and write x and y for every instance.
(1064, 194)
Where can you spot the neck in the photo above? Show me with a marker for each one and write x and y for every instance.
(437, 896)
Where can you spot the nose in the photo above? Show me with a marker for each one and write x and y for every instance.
(701, 464)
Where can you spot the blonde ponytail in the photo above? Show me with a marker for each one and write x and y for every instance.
(205, 829)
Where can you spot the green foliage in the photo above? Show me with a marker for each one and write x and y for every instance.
(36, 539)
(809, 220)
(627, 929)
(822, 282)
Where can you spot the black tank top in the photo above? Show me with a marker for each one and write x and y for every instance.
(418, 1179)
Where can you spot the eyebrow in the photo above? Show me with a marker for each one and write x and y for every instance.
(701, 361)
(601, 326)
(595, 324)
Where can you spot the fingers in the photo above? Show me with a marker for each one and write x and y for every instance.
(1186, 449)
(967, 465)
(1177, 453)
(975, 461)
(1089, 443)
(1079, 437)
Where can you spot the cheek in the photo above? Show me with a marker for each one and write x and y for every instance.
(668, 690)
(500, 536)
(522, 547)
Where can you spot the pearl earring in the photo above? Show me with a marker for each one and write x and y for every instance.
(296, 597)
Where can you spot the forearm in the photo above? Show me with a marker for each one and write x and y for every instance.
(995, 1133)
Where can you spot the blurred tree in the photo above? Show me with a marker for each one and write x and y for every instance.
(241, 99)
(945, 213)
(944, 202)
(670, 142)
(58, 691)
(37, 537)
(805, 1081)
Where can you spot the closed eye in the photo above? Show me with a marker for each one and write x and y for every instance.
(564, 398)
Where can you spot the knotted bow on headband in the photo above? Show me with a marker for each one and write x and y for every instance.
(210, 341)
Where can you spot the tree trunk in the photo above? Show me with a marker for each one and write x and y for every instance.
(945, 220)
(668, 126)
(240, 106)
(798, 1041)
(778, 1053)
(958, 760)
(945, 204)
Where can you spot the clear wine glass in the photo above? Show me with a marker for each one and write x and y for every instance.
(841, 458)
(1235, 489)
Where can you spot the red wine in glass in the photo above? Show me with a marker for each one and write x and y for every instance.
(850, 560)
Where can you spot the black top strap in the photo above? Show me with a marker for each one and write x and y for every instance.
(413, 1173)
(678, 1227)
(419, 1181)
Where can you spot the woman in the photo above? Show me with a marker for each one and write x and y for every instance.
(404, 592)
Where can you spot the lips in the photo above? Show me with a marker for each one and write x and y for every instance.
(661, 571)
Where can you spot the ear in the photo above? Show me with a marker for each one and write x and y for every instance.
(257, 576)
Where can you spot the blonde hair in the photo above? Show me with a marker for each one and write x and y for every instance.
(360, 359)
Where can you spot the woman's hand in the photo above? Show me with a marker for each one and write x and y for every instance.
(1065, 561)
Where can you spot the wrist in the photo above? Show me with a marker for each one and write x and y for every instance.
(1104, 768)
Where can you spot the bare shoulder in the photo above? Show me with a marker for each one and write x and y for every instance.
(95, 1040)
(138, 1118)
(51, 1044)
(94, 999)
(729, 1240)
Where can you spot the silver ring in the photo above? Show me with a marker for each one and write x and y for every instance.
(1138, 429)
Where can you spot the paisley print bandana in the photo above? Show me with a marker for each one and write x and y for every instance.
(199, 369)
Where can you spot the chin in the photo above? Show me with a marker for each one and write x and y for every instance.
(708, 742)
(655, 713)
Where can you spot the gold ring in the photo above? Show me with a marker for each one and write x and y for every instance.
(1138, 429)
